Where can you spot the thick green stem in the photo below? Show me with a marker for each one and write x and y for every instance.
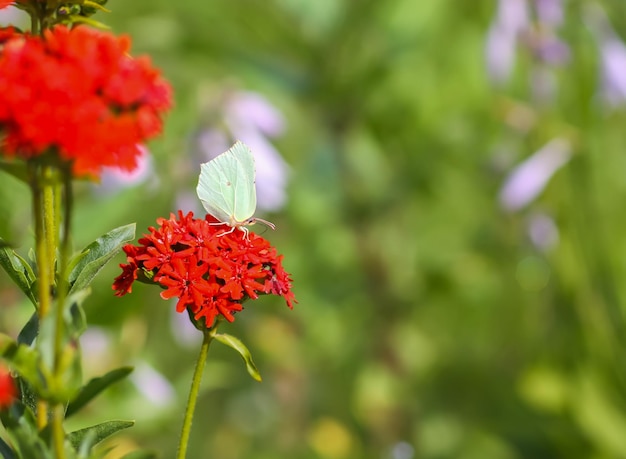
(45, 186)
(39, 190)
(63, 188)
(42, 208)
(193, 394)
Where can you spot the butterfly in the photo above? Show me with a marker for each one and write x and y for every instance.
(226, 188)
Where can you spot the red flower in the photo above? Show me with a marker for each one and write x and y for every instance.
(5, 3)
(78, 94)
(8, 389)
(210, 269)
(6, 33)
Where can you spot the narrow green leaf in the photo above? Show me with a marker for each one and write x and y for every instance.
(75, 316)
(97, 254)
(71, 266)
(237, 345)
(19, 270)
(101, 431)
(27, 394)
(87, 444)
(29, 332)
(90, 390)
(6, 451)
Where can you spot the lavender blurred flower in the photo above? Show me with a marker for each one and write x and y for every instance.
(113, 180)
(513, 28)
(549, 12)
(249, 117)
(183, 330)
(13, 16)
(402, 450)
(96, 344)
(153, 385)
(530, 178)
(612, 56)
(510, 21)
(542, 231)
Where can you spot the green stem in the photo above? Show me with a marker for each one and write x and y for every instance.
(64, 187)
(41, 208)
(34, 23)
(64, 253)
(193, 394)
(58, 434)
(38, 187)
(45, 186)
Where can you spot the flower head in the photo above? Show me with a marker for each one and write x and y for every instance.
(210, 269)
(77, 95)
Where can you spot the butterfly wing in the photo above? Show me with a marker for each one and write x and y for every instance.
(226, 185)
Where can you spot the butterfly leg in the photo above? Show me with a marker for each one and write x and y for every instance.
(232, 228)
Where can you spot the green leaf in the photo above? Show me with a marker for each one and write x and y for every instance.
(22, 429)
(90, 390)
(101, 431)
(237, 345)
(24, 360)
(27, 394)
(75, 317)
(97, 254)
(17, 170)
(6, 451)
(28, 333)
(19, 270)
(87, 443)
(68, 376)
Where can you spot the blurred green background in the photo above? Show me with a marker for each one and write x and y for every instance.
(431, 323)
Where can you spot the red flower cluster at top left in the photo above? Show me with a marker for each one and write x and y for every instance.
(77, 95)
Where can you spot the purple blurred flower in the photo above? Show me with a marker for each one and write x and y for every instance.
(249, 117)
(510, 21)
(153, 385)
(113, 180)
(512, 29)
(248, 110)
(183, 330)
(612, 56)
(530, 178)
(543, 232)
(549, 12)
(13, 16)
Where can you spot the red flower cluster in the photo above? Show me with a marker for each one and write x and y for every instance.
(8, 389)
(79, 95)
(211, 269)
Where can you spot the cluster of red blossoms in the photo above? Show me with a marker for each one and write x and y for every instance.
(77, 94)
(211, 269)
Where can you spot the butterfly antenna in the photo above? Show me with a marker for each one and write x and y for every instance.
(265, 222)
